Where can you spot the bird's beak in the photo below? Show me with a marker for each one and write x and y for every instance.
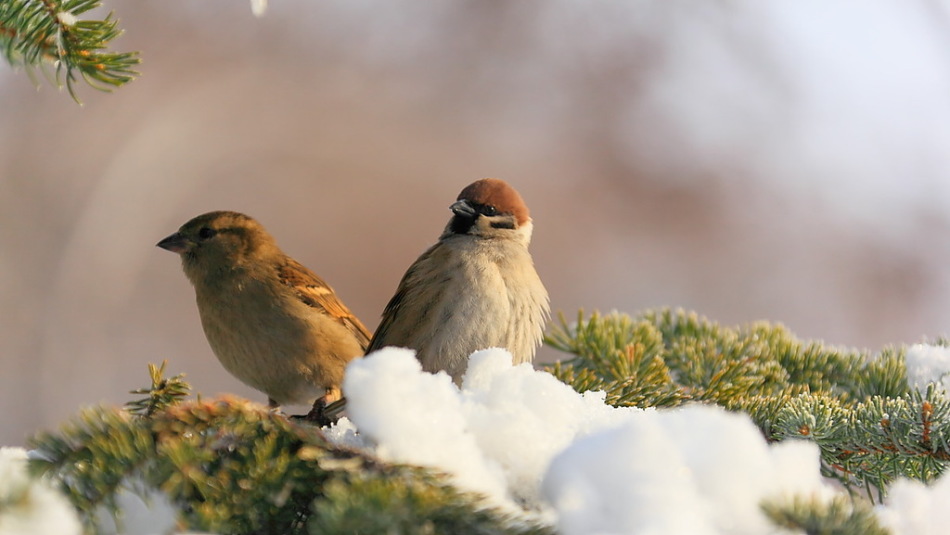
(175, 243)
(463, 208)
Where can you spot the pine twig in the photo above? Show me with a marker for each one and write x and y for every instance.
(162, 394)
(35, 33)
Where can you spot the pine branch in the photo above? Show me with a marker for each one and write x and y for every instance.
(36, 33)
(161, 395)
(872, 443)
(231, 466)
(618, 356)
(413, 506)
(812, 516)
(871, 428)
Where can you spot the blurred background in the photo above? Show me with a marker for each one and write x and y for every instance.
(784, 160)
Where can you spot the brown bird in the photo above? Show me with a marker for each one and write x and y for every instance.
(474, 289)
(273, 323)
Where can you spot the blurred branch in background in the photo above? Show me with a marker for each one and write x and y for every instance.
(38, 33)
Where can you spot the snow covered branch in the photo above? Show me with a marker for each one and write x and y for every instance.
(664, 421)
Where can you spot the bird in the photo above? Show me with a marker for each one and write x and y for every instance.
(271, 322)
(476, 288)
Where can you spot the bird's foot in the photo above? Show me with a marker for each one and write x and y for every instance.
(319, 415)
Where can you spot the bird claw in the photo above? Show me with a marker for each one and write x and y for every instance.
(318, 415)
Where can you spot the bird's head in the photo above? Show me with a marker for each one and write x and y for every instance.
(218, 241)
(490, 208)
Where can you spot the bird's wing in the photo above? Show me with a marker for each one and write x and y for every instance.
(381, 337)
(316, 293)
(396, 328)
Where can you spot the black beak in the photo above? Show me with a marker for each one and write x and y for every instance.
(463, 208)
(175, 243)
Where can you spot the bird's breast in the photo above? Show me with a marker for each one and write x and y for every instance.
(259, 340)
(487, 295)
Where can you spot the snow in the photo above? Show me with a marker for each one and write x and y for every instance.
(535, 447)
(530, 442)
(143, 511)
(67, 18)
(697, 470)
(915, 509)
(416, 418)
(495, 436)
(928, 364)
(29, 505)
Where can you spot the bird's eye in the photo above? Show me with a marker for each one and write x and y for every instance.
(489, 210)
(204, 233)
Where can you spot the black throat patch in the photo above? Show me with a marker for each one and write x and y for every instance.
(462, 224)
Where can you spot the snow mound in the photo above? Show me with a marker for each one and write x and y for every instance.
(916, 509)
(529, 442)
(698, 470)
(928, 364)
(29, 505)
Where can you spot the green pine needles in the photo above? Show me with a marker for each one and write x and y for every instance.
(230, 466)
(37, 33)
(870, 426)
(840, 516)
(233, 467)
(163, 393)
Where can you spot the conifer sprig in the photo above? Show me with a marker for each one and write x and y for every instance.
(232, 466)
(870, 427)
(37, 33)
(161, 395)
(839, 516)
